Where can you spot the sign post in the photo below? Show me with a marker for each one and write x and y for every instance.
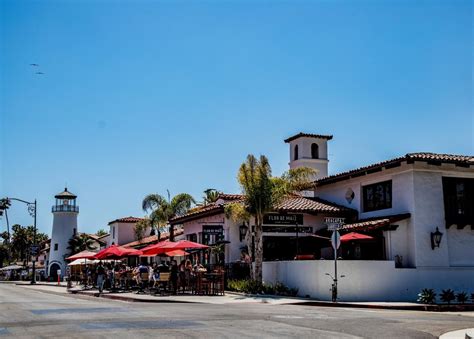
(333, 225)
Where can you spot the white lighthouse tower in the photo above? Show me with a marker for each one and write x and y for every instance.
(65, 213)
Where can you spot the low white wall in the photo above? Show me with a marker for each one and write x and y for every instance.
(366, 280)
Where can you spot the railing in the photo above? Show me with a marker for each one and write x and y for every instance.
(65, 208)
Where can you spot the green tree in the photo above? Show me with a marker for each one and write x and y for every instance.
(80, 242)
(210, 196)
(22, 239)
(162, 209)
(140, 228)
(260, 193)
(101, 232)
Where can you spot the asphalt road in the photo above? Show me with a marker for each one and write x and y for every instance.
(28, 313)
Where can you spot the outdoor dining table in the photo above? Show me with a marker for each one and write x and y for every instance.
(211, 283)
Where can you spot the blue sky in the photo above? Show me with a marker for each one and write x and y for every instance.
(143, 96)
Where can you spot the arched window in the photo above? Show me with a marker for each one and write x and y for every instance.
(315, 151)
(296, 152)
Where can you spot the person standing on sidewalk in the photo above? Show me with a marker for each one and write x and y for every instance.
(100, 277)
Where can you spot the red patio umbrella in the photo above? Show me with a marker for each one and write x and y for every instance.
(82, 255)
(355, 236)
(167, 246)
(176, 253)
(116, 252)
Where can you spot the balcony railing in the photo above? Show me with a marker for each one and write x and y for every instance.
(65, 208)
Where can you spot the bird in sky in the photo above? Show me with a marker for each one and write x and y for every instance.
(34, 65)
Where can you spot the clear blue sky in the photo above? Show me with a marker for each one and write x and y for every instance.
(141, 96)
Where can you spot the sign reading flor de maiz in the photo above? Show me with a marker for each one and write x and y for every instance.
(283, 219)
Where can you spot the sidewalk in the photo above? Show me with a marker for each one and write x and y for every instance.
(233, 298)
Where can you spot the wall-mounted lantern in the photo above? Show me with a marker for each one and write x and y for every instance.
(436, 238)
(242, 231)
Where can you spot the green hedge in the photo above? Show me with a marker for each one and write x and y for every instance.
(254, 287)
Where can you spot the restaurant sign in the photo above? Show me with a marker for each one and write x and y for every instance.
(283, 219)
(212, 229)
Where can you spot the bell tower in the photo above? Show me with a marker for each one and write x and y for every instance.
(310, 150)
(65, 213)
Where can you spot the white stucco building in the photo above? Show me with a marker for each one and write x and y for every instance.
(65, 212)
(122, 230)
(400, 203)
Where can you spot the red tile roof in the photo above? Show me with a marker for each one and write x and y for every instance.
(433, 158)
(301, 135)
(373, 223)
(295, 203)
(152, 239)
(225, 196)
(127, 219)
(303, 204)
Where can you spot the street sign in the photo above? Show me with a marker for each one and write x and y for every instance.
(34, 250)
(334, 223)
(335, 240)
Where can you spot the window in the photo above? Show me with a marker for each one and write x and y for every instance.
(458, 196)
(73, 231)
(296, 152)
(55, 247)
(314, 151)
(113, 232)
(192, 237)
(377, 196)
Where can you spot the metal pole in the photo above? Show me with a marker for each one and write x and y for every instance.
(33, 279)
(334, 297)
(297, 241)
(9, 248)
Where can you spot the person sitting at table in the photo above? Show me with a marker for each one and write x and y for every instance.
(155, 275)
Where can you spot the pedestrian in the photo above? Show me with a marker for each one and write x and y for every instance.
(100, 277)
(174, 276)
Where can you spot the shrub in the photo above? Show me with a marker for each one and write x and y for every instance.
(462, 297)
(447, 296)
(254, 287)
(427, 296)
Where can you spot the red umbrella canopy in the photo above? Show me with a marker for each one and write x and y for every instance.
(167, 246)
(116, 252)
(355, 236)
(176, 253)
(154, 249)
(82, 255)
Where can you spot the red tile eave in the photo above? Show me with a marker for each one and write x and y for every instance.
(374, 223)
(197, 215)
(430, 158)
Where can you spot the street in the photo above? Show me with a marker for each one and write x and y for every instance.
(29, 313)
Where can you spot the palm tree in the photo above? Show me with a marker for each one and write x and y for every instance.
(261, 192)
(210, 196)
(101, 232)
(140, 229)
(162, 210)
(80, 242)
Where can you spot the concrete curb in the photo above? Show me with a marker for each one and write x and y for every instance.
(413, 307)
(132, 299)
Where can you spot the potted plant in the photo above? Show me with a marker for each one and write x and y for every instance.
(447, 296)
(427, 296)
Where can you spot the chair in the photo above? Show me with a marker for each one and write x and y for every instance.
(163, 282)
(143, 279)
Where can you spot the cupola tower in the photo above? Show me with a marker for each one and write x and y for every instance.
(310, 150)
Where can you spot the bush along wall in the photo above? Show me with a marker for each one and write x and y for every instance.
(254, 287)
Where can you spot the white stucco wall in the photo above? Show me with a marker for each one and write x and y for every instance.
(124, 233)
(416, 189)
(366, 280)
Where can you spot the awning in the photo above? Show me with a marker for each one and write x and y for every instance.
(374, 223)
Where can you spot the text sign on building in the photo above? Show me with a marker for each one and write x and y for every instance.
(34, 250)
(334, 223)
(212, 229)
(283, 219)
